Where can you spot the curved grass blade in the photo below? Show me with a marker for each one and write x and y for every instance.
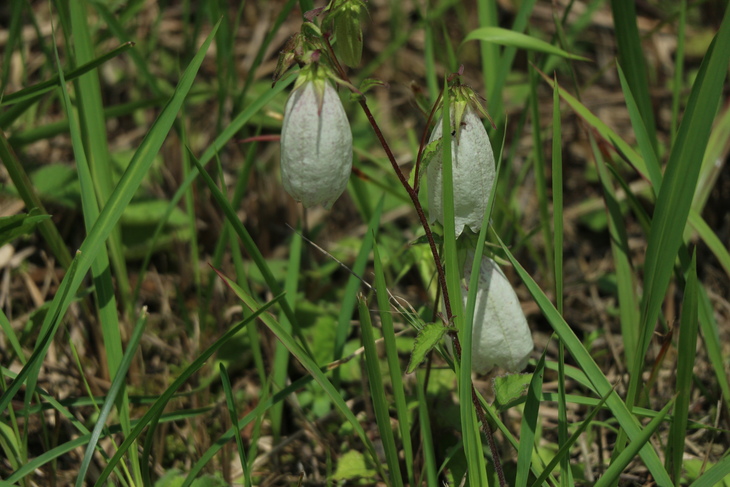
(108, 218)
(598, 380)
(159, 405)
(512, 38)
(33, 92)
(678, 188)
(114, 390)
(613, 471)
(377, 393)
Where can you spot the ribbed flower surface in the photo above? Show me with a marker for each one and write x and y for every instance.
(472, 173)
(316, 145)
(500, 335)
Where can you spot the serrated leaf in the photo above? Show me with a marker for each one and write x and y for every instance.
(428, 337)
(507, 388)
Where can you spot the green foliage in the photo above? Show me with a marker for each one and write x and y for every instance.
(109, 127)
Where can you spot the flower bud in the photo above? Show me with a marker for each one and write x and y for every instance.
(500, 335)
(316, 144)
(348, 33)
(472, 170)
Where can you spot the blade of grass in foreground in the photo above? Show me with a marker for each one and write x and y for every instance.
(251, 248)
(631, 57)
(377, 393)
(678, 188)
(231, 405)
(592, 371)
(391, 352)
(529, 423)
(155, 411)
(566, 477)
(116, 387)
(686, 353)
(33, 92)
(311, 367)
(120, 198)
(469, 424)
(103, 285)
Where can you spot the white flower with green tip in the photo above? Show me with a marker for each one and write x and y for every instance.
(473, 169)
(500, 335)
(316, 143)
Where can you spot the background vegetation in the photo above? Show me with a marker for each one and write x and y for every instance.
(166, 319)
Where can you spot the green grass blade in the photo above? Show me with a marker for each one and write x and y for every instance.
(391, 352)
(529, 423)
(625, 279)
(538, 164)
(377, 393)
(33, 92)
(713, 242)
(563, 454)
(592, 371)
(686, 354)
(631, 57)
(506, 37)
(566, 477)
(711, 337)
(605, 132)
(678, 187)
(231, 404)
(718, 473)
(161, 402)
(281, 354)
(254, 415)
(108, 218)
(429, 454)
(311, 367)
(249, 245)
(678, 69)
(116, 387)
(643, 139)
(27, 193)
(613, 471)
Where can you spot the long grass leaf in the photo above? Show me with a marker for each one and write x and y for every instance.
(675, 198)
(162, 400)
(686, 354)
(631, 57)
(598, 380)
(116, 387)
(528, 426)
(377, 393)
(109, 216)
(512, 38)
(391, 352)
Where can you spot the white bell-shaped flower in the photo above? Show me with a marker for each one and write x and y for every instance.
(473, 171)
(316, 144)
(500, 335)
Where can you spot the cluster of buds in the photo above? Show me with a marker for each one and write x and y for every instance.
(316, 162)
(500, 335)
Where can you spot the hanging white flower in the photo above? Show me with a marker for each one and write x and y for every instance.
(473, 170)
(316, 144)
(500, 335)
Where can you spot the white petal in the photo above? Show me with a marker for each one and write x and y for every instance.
(316, 146)
(500, 335)
(472, 173)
